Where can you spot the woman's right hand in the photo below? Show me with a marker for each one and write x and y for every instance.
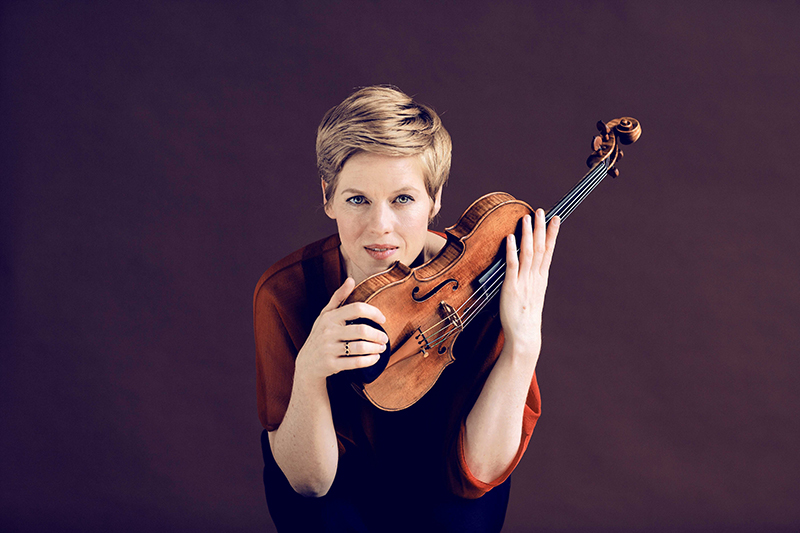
(304, 445)
(324, 352)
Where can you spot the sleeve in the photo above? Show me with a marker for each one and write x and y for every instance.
(275, 357)
(465, 484)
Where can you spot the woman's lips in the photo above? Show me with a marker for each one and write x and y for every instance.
(380, 252)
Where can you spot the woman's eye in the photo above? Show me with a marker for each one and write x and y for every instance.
(356, 200)
(404, 199)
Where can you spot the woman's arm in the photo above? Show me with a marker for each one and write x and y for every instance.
(304, 445)
(494, 425)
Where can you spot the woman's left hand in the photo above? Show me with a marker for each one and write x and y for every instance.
(522, 295)
(495, 423)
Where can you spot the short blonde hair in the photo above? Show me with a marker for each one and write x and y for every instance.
(382, 119)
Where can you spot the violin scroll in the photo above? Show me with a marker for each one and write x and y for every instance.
(606, 146)
(628, 130)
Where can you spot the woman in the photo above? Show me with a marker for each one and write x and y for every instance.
(332, 460)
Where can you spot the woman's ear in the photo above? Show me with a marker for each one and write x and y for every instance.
(325, 203)
(437, 203)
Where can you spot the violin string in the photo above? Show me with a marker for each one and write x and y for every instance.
(427, 331)
(487, 292)
(480, 298)
(490, 293)
(568, 204)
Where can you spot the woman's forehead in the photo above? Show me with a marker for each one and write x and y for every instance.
(367, 172)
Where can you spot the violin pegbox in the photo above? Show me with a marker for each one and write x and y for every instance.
(606, 146)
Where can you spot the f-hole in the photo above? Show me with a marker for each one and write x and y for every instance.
(433, 291)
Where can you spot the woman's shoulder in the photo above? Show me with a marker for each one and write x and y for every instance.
(288, 274)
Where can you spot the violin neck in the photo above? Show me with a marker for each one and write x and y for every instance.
(573, 198)
(492, 278)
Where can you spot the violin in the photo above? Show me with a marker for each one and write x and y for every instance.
(428, 306)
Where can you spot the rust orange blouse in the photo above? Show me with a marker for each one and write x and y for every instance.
(420, 445)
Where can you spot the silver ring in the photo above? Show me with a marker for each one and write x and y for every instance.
(346, 348)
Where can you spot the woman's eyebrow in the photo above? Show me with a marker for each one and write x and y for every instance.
(407, 188)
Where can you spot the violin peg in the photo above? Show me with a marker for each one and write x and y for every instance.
(596, 143)
(613, 172)
(620, 154)
(602, 128)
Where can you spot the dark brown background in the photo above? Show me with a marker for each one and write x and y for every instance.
(156, 159)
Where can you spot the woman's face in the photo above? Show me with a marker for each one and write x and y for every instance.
(382, 208)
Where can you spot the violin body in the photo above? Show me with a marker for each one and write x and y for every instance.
(424, 307)
(428, 306)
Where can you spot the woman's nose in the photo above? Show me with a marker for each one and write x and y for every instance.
(382, 219)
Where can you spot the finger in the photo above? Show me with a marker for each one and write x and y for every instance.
(526, 250)
(364, 332)
(539, 232)
(550, 243)
(366, 348)
(512, 261)
(359, 361)
(360, 310)
(341, 294)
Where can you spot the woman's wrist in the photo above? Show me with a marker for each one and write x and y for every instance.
(522, 348)
(307, 382)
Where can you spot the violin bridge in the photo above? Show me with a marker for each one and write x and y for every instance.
(422, 341)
